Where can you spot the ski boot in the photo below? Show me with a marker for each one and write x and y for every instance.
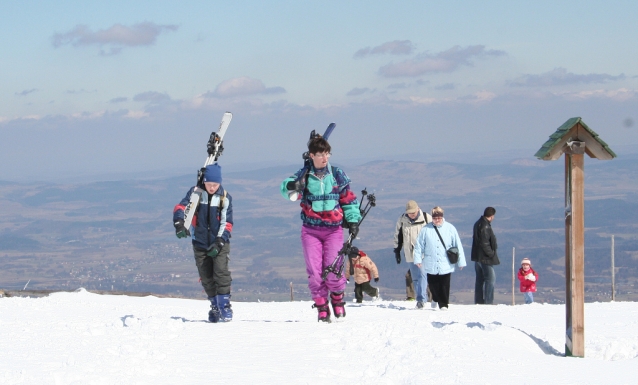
(214, 314)
(323, 310)
(338, 304)
(225, 309)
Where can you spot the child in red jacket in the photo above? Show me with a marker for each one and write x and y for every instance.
(528, 278)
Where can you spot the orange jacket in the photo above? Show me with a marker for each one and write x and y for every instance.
(364, 268)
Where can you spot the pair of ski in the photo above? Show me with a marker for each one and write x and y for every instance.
(215, 148)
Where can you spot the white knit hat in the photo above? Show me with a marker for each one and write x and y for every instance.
(526, 261)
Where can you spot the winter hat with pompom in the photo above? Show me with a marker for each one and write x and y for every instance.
(526, 261)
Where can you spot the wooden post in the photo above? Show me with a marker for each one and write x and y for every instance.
(513, 276)
(575, 139)
(575, 254)
(613, 272)
(291, 296)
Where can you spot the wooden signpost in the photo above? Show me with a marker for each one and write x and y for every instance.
(575, 139)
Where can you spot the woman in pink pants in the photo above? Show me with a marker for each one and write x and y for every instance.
(326, 204)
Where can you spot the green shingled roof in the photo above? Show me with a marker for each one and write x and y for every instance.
(556, 137)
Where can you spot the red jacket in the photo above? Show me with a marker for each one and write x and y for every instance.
(526, 284)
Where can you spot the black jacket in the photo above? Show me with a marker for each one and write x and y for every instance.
(484, 243)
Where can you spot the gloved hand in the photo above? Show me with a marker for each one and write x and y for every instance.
(397, 255)
(180, 230)
(293, 185)
(531, 277)
(347, 280)
(353, 228)
(216, 247)
(376, 279)
(353, 252)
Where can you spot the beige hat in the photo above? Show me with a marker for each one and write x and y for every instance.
(526, 261)
(411, 207)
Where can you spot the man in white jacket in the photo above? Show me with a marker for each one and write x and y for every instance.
(405, 234)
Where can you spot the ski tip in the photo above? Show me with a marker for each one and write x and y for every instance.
(331, 127)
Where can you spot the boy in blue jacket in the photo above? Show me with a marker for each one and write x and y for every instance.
(212, 226)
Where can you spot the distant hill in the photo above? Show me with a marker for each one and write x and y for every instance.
(119, 236)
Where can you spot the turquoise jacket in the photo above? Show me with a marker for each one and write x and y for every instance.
(327, 200)
(429, 251)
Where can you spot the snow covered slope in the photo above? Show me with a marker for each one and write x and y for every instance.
(84, 338)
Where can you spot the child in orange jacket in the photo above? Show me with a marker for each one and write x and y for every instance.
(364, 271)
(528, 278)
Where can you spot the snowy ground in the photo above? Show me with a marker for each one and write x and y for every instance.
(84, 338)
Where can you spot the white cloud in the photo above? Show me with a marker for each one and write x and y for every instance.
(115, 37)
(445, 61)
(560, 77)
(620, 94)
(396, 47)
(243, 86)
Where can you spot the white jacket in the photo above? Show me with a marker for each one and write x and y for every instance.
(410, 231)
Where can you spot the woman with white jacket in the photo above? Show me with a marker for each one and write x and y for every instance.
(431, 254)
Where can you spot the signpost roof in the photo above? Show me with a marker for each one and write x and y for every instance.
(575, 130)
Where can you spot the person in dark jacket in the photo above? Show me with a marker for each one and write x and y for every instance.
(485, 258)
(212, 226)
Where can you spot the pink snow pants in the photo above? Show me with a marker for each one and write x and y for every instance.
(320, 248)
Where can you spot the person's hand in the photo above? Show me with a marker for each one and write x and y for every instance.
(376, 279)
(216, 247)
(293, 185)
(418, 265)
(397, 255)
(353, 229)
(180, 230)
(531, 277)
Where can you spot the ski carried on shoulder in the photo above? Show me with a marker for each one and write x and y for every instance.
(215, 148)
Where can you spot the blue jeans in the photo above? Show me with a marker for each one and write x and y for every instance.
(529, 297)
(420, 280)
(484, 285)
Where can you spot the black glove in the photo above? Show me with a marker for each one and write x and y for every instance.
(353, 229)
(180, 230)
(353, 252)
(216, 247)
(376, 279)
(293, 185)
(397, 254)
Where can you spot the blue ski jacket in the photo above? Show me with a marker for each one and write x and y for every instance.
(429, 251)
(211, 220)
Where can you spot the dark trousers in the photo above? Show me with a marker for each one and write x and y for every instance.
(213, 271)
(360, 288)
(440, 288)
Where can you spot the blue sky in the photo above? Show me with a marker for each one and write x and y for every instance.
(111, 87)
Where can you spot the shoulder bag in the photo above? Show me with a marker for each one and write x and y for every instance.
(452, 252)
